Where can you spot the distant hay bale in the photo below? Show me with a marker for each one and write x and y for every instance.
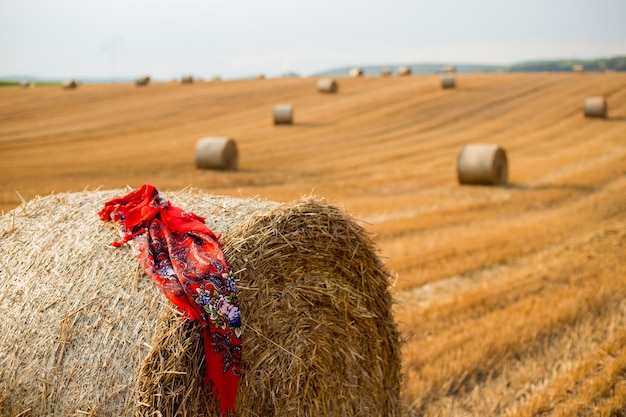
(327, 85)
(404, 70)
(449, 69)
(186, 79)
(385, 72)
(595, 107)
(356, 72)
(283, 114)
(216, 153)
(142, 81)
(482, 164)
(69, 84)
(85, 331)
(26, 84)
(448, 81)
(260, 77)
(578, 68)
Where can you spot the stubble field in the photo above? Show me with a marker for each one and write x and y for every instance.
(511, 300)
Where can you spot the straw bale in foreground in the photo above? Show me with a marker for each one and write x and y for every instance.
(84, 331)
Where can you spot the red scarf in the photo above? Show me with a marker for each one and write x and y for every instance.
(184, 258)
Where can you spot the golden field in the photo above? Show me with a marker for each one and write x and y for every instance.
(511, 300)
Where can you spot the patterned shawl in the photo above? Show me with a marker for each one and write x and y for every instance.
(183, 257)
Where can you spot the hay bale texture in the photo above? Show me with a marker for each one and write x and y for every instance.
(142, 81)
(448, 81)
(595, 107)
(482, 164)
(85, 332)
(216, 153)
(404, 70)
(283, 114)
(69, 84)
(356, 72)
(327, 85)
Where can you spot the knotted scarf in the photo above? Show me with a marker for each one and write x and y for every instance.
(184, 258)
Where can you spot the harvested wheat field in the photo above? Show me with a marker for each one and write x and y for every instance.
(510, 299)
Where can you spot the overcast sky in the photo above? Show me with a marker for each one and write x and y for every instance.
(239, 38)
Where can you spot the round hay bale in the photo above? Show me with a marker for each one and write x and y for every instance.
(69, 84)
(578, 68)
(449, 69)
(84, 330)
(448, 81)
(187, 79)
(404, 70)
(595, 107)
(385, 72)
(356, 72)
(283, 114)
(482, 164)
(26, 84)
(216, 153)
(327, 85)
(142, 81)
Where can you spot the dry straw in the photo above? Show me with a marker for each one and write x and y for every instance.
(85, 332)
(595, 107)
(356, 72)
(142, 81)
(327, 85)
(449, 69)
(216, 153)
(283, 114)
(404, 70)
(482, 164)
(69, 84)
(448, 81)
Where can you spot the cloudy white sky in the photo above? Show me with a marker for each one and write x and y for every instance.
(239, 38)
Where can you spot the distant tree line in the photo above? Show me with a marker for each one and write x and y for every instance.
(603, 64)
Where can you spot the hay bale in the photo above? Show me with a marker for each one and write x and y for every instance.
(595, 107)
(142, 81)
(69, 84)
(356, 72)
(26, 84)
(327, 85)
(448, 81)
(385, 72)
(216, 153)
(84, 330)
(448, 69)
(578, 68)
(283, 114)
(187, 79)
(482, 164)
(404, 70)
